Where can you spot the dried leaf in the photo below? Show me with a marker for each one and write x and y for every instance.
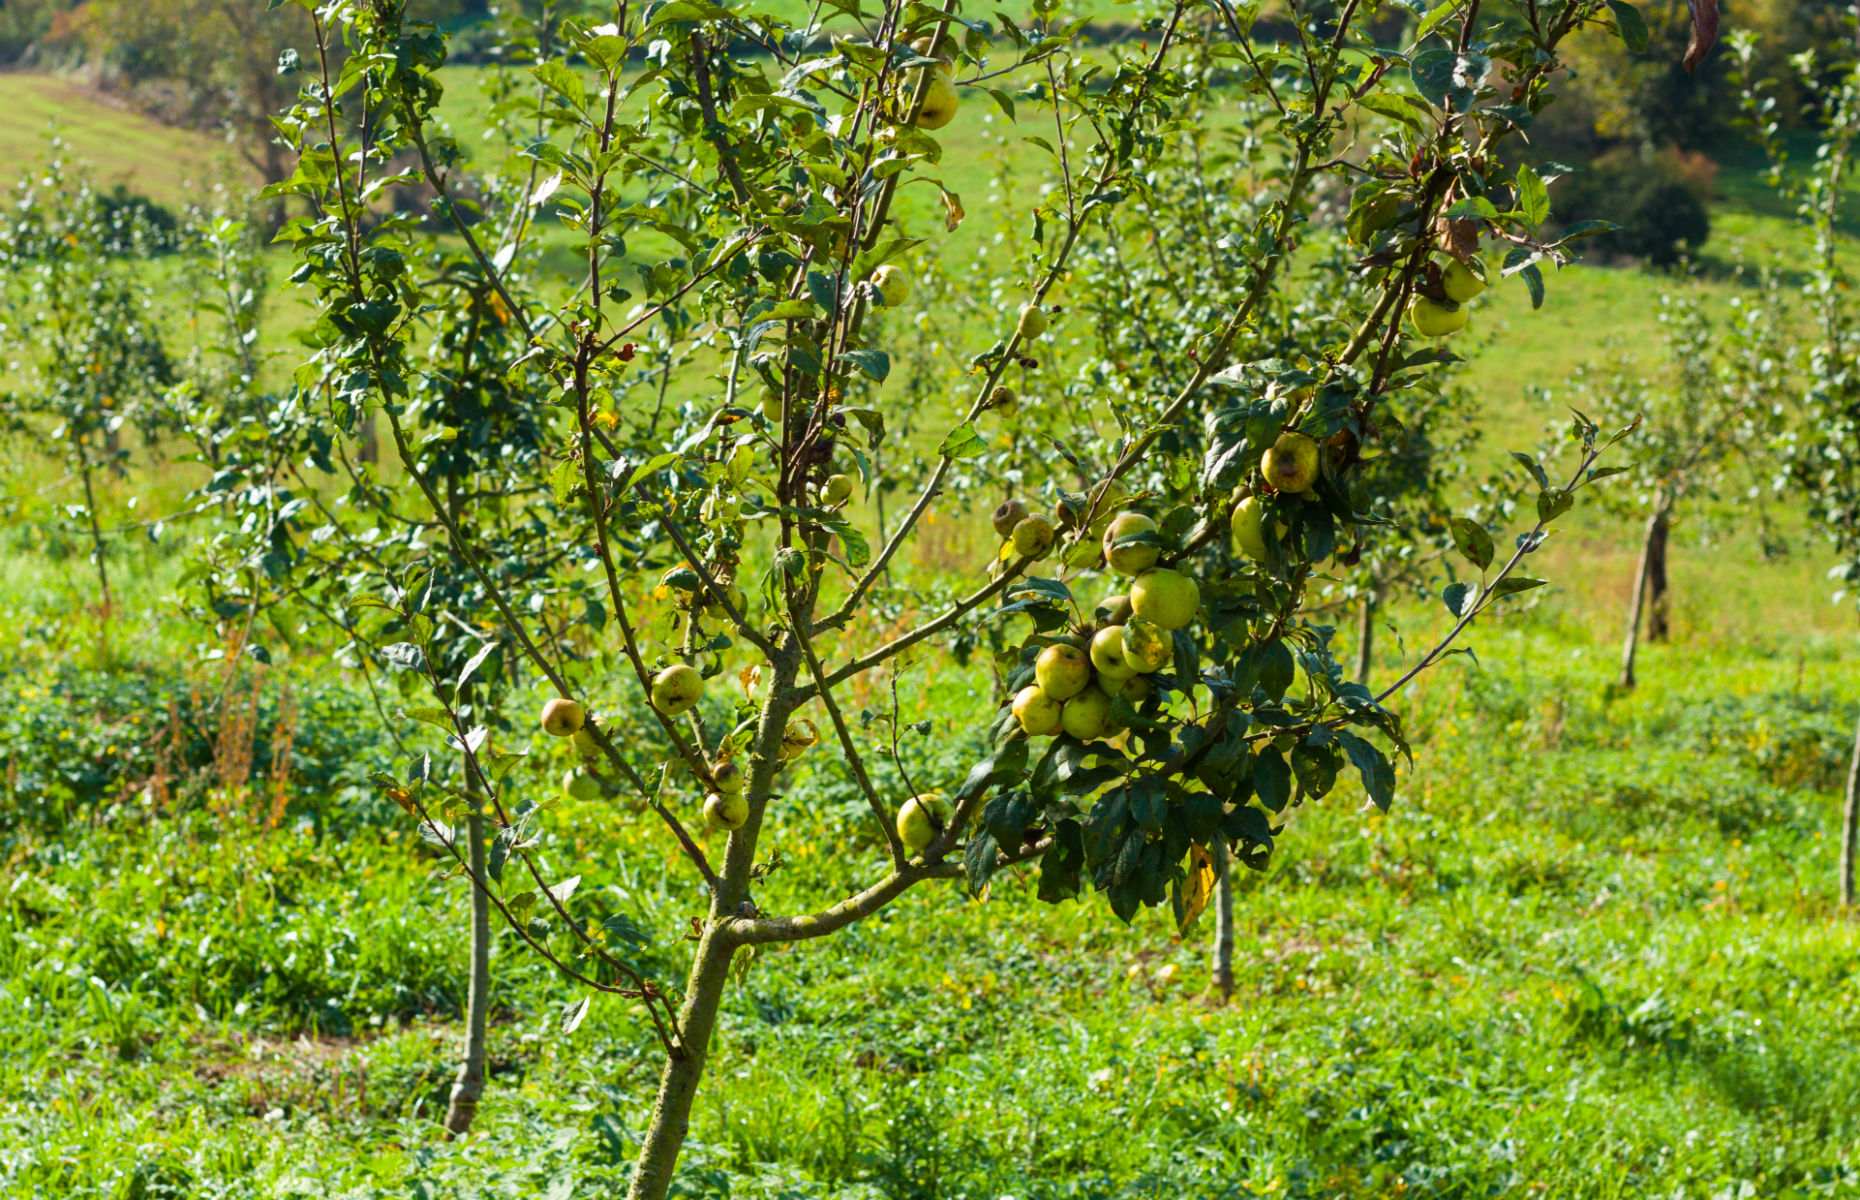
(1197, 889)
(1458, 236)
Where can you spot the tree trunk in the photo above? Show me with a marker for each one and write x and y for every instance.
(1366, 638)
(1656, 524)
(1850, 825)
(367, 446)
(103, 572)
(1657, 628)
(1223, 921)
(710, 970)
(469, 1087)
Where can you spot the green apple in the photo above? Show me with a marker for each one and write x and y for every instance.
(727, 777)
(1115, 610)
(837, 490)
(579, 785)
(1167, 598)
(1037, 712)
(1249, 528)
(677, 689)
(1008, 514)
(1136, 689)
(714, 607)
(1431, 318)
(922, 47)
(939, 103)
(893, 283)
(1087, 715)
(1147, 647)
(922, 818)
(1291, 465)
(1137, 557)
(582, 743)
(771, 406)
(1062, 671)
(1003, 402)
(1033, 537)
(1033, 323)
(1107, 655)
(725, 812)
(1460, 282)
(561, 718)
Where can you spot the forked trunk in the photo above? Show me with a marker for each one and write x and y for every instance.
(468, 1089)
(1223, 921)
(1850, 825)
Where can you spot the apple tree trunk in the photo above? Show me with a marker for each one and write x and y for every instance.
(1657, 625)
(1656, 533)
(1366, 637)
(1223, 922)
(468, 1089)
(1850, 825)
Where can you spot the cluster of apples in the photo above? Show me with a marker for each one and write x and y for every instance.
(1075, 680)
(1431, 318)
(1290, 465)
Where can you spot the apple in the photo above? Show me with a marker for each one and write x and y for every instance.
(727, 777)
(1137, 557)
(1431, 318)
(1008, 514)
(1037, 712)
(1107, 655)
(771, 406)
(922, 48)
(1136, 689)
(1168, 598)
(940, 102)
(1003, 402)
(838, 489)
(1062, 671)
(677, 689)
(1460, 281)
(795, 741)
(1146, 647)
(1116, 609)
(714, 607)
(561, 718)
(1291, 464)
(725, 812)
(1087, 715)
(1032, 324)
(1033, 537)
(922, 818)
(579, 785)
(1249, 528)
(582, 743)
(1167, 974)
(891, 282)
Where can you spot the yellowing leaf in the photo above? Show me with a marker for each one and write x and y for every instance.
(1198, 888)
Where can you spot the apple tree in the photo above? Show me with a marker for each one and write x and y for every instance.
(632, 488)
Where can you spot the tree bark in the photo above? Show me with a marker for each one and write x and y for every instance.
(1366, 638)
(1850, 825)
(1223, 921)
(468, 1089)
(710, 970)
(1657, 627)
(1656, 525)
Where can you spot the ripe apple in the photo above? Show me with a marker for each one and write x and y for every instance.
(893, 284)
(1037, 712)
(1137, 557)
(1033, 323)
(1062, 671)
(725, 812)
(1460, 282)
(940, 103)
(1107, 655)
(579, 785)
(677, 689)
(838, 489)
(922, 818)
(561, 718)
(1087, 714)
(1008, 514)
(727, 777)
(1431, 318)
(1147, 647)
(1033, 537)
(1291, 464)
(1169, 598)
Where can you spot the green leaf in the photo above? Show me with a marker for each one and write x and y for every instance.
(1533, 195)
(1628, 21)
(1553, 503)
(563, 479)
(1472, 541)
(1460, 597)
(1512, 584)
(432, 714)
(978, 861)
(962, 442)
(1272, 780)
(875, 363)
(1393, 107)
(1372, 765)
(1534, 280)
(563, 82)
(574, 1014)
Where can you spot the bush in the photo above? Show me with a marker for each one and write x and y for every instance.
(1656, 203)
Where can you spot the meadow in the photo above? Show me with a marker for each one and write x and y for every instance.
(1593, 950)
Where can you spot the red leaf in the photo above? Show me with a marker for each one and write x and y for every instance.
(1704, 32)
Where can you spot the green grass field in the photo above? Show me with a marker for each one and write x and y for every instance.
(1593, 951)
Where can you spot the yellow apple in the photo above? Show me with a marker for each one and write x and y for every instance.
(1431, 318)
(922, 818)
(725, 811)
(1291, 464)
(1033, 537)
(561, 718)
(1037, 712)
(1167, 598)
(1107, 655)
(1062, 671)
(1033, 322)
(893, 284)
(1133, 559)
(1087, 714)
(677, 689)
(1460, 282)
